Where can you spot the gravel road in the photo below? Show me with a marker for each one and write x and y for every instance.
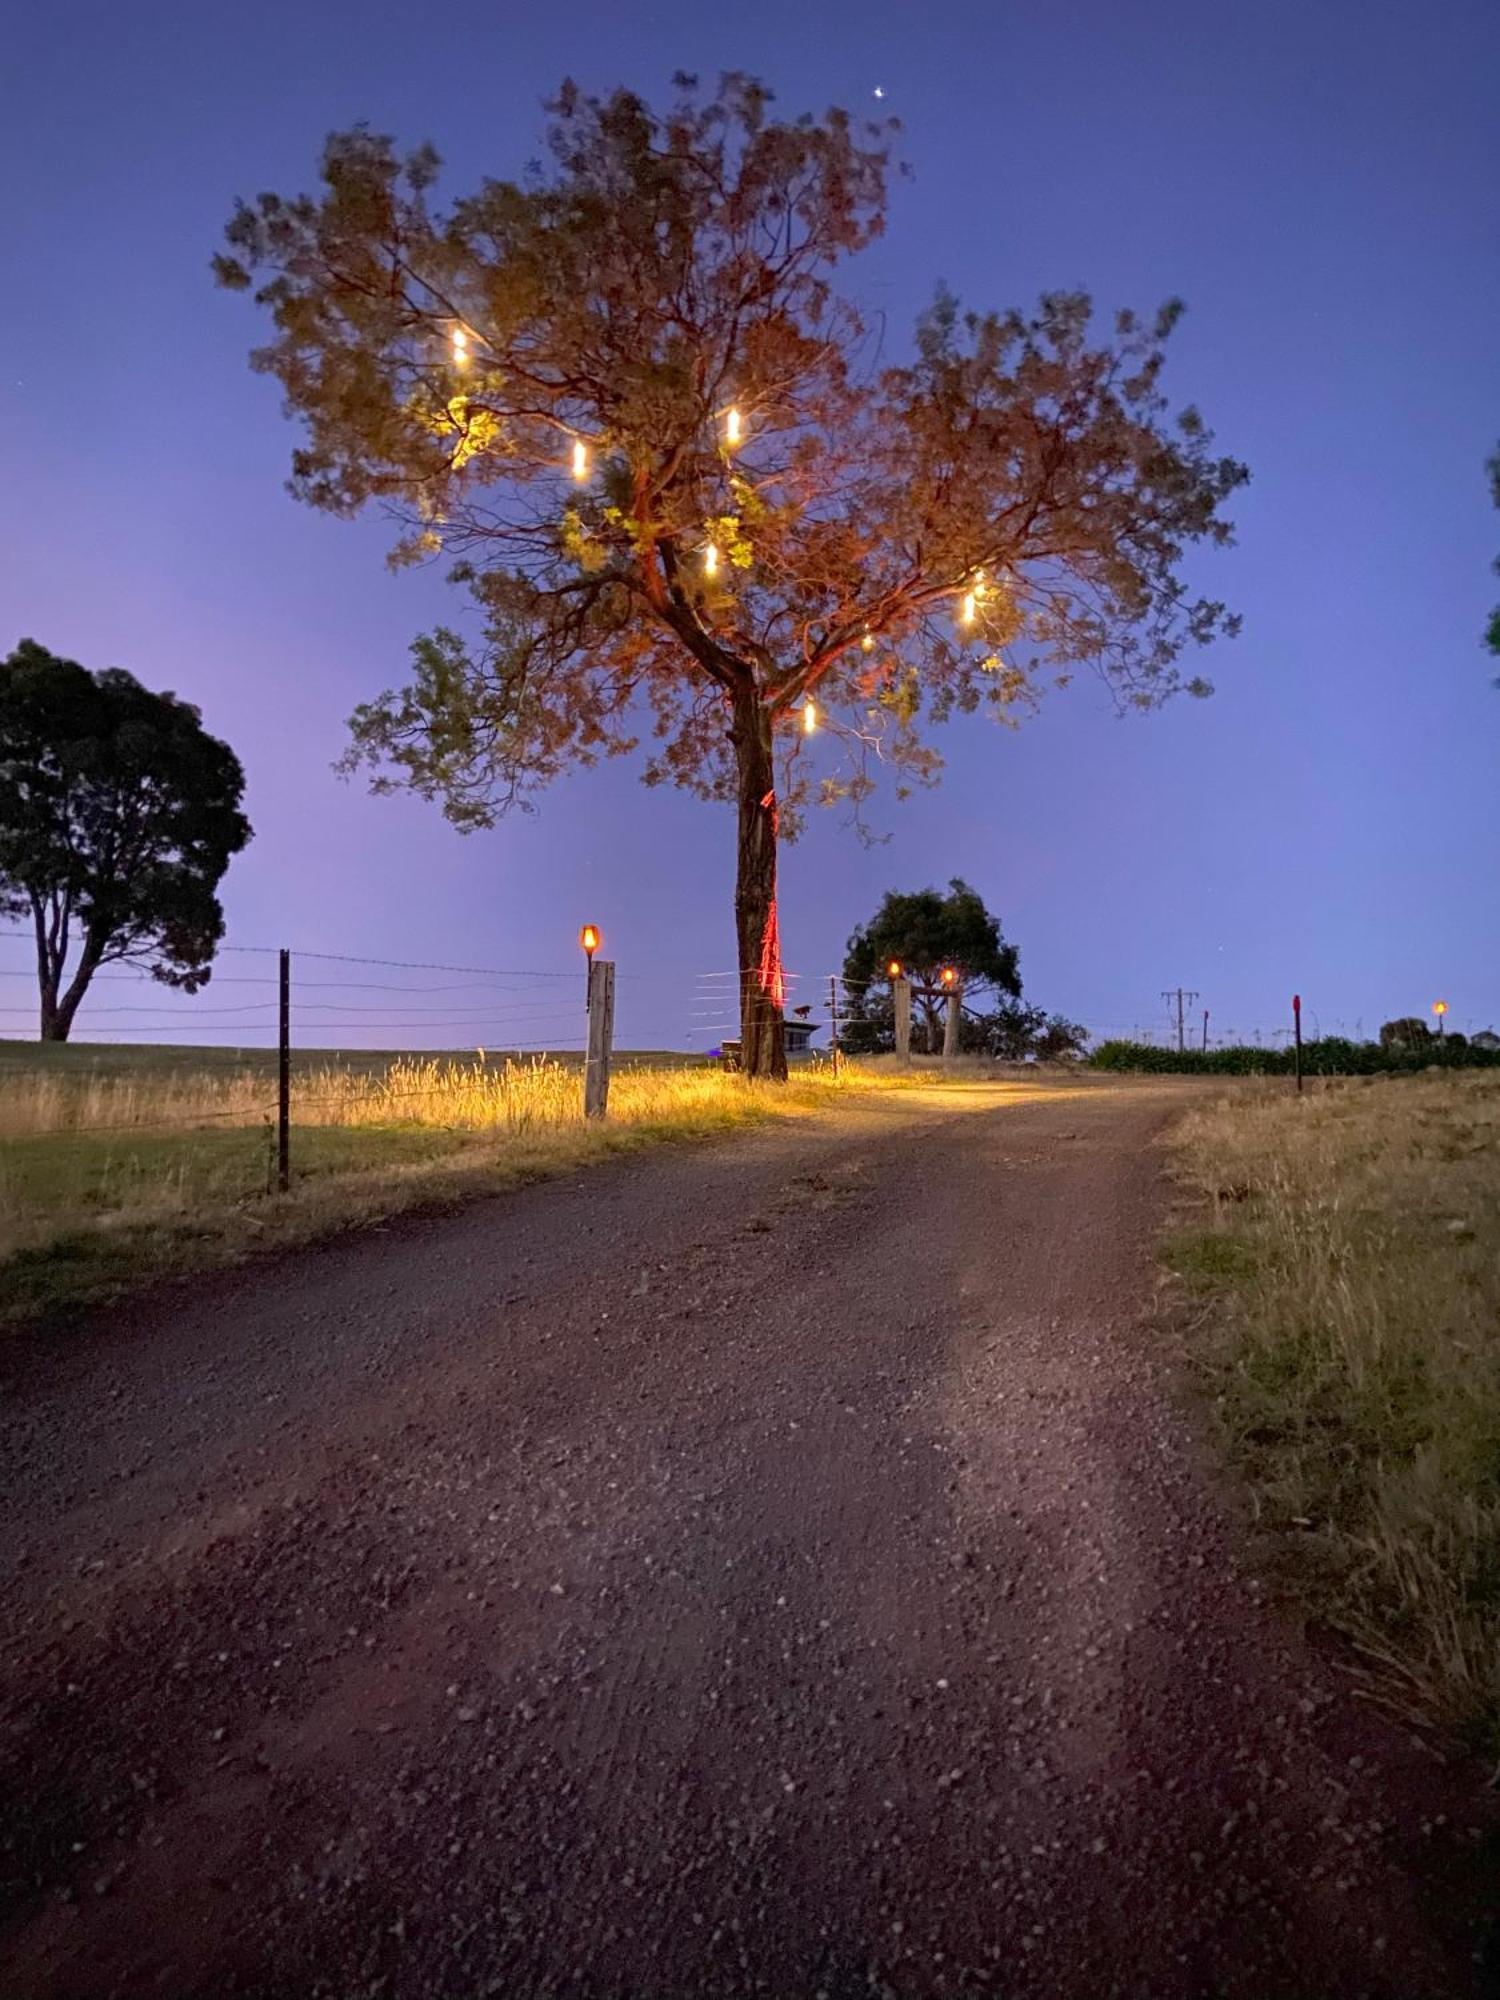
(787, 1567)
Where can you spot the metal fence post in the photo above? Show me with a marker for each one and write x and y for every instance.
(284, 1079)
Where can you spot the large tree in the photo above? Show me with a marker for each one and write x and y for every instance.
(118, 817)
(927, 933)
(683, 489)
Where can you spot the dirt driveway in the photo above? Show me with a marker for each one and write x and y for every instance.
(782, 1568)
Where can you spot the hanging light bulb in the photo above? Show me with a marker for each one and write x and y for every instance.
(711, 560)
(966, 614)
(580, 459)
(460, 342)
(867, 643)
(809, 717)
(732, 427)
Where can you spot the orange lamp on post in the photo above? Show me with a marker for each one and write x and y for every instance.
(588, 937)
(1440, 1008)
(949, 978)
(893, 970)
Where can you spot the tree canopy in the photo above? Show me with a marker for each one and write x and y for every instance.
(118, 817)
(689, 497)
(926, 932)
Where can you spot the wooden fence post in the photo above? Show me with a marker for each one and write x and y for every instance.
(601, 1038)
(901, 994)
(950, 1025)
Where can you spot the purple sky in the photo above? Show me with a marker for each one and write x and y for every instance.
(1319, 182)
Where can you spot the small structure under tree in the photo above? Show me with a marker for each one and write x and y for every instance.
(623, 399)
(118, 817)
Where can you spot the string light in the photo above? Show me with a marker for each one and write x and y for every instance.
(460, 341)
(809, 717)
(732, 427)
(966, 614)
(580, 459)
(711, 560)
(867, 643)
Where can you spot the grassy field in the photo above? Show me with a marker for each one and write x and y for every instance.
(118, 1164)
(1349, 1260)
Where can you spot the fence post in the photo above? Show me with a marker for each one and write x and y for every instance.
(601, 1038)
(284, 1079)
(950, 1025)
(901, 994)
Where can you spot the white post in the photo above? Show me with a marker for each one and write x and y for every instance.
(950, 1025)
(901, 994)
(601, 1038)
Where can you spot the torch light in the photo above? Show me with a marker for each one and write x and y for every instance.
(893, 970)
(588, 938)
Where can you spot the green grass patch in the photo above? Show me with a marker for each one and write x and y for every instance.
(1346, 1266)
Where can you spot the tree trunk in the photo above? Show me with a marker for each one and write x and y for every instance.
(762, 994)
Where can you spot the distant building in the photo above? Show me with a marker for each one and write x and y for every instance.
(798, 1035)
(1486, 1039)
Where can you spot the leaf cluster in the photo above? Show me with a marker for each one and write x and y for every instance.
(904, 542)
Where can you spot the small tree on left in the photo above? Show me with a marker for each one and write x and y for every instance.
(118, 817)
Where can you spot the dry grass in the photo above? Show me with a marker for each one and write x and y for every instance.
(109, 1176)
(1352, 1254)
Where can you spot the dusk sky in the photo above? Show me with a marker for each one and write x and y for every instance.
(1321, 184)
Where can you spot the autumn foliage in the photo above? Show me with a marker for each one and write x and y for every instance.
(624, 399)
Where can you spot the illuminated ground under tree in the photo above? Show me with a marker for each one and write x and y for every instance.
(688, 497)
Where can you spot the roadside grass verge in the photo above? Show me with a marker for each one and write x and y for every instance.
(114, 1175)
(1346, 1260)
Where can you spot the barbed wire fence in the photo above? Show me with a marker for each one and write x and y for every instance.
(346, 1014)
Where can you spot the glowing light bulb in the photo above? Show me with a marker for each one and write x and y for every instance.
(893, 970)
(867, 643)
(711, 560)
(580, 460)
(966, 614)
(460, 340)
(732, 427)
(809, 717)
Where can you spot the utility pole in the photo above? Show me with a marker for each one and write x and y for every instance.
(1184, 997)
(1205, 1031)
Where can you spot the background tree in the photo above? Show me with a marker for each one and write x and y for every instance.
(924, 932)
(684, 494)
(1409, 1032)
(118, 816)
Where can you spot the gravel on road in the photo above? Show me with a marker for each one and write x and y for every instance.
(787, 1567)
